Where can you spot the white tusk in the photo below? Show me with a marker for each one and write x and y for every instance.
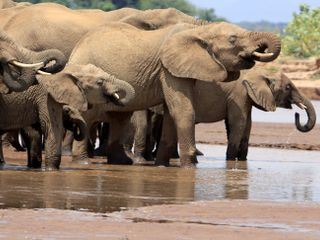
(28, 65)
(116, 95)
(302, 106)
(259, 55)
(43, 72)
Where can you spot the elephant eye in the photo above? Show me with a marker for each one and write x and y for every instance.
(100, 81)
(232, 39)
(288, 87)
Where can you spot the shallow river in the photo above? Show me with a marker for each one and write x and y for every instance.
(273, 174)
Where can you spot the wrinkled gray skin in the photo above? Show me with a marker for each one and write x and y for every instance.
(163, 65)
(18, 78)
(9, 4)
(53, 25)
(76, 86)
(231, 102)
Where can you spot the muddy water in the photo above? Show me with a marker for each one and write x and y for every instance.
(272, 174)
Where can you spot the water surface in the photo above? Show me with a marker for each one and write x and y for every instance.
(270, 174)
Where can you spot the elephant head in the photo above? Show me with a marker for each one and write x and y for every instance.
(73, 121)
(268, 91)
(217, 51)
(80, 85)
(19, 66)
(159, 18)
(286, 94)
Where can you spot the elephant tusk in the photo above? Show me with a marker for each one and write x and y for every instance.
(260, 55)
(27, 65)
(43, 72)
(302, 106)
(116, 96)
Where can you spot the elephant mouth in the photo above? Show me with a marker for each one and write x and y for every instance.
(114, 98)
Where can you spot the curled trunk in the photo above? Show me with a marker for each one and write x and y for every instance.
(20, 79)
(311, 117)
(120, 91)
(266, 42)
(74, 122)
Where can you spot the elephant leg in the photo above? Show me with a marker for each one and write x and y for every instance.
(244, 143)
(235, 125)
(32, 137)
(2, 161)
(67, 143)
(79, 148)
(157, 123)
(140, 125)
(103, 134)
(52, 126)
(179, 96)
(168, 140)
(119, 122)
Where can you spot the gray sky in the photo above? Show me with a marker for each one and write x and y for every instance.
(255, 10)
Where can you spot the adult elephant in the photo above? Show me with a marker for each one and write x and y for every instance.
(53, 25)
(9, 4)
(164, 65)
(77, 86)
(231, 102)
(19, 66)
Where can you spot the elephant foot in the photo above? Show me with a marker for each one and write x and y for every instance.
(100, 151)
(81, 159)
(199, 153)
(119, 159)
(162, 163)
(34, 163)
(188, 166)
(139, 160)
(66, 152)
(52, 163)
(188, 161)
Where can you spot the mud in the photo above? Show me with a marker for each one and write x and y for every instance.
(200, 220)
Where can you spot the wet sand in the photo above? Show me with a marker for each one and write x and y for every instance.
(200, 220)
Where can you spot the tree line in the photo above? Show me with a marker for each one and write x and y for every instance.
(107, 5)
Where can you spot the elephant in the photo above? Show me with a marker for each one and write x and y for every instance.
(231, 102)
(19, 66)
(53, 25)
(10, 4)
(41, 105)
(163, 66)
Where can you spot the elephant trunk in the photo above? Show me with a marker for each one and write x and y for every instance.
(51, 55)
(266, 41)
(120, 92)
(74, 122)
(21, 83)
(308, 107)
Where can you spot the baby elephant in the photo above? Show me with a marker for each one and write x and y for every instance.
(232, 102)
(76, 86)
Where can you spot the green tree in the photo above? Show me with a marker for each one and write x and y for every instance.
(302, 35)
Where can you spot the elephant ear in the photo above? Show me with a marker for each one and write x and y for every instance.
(139, 22)
(259, 90)
(65, 89)
(187, 55)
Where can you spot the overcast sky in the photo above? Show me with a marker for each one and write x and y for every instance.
(255, 10)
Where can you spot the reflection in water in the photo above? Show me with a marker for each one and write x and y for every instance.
(268, 175)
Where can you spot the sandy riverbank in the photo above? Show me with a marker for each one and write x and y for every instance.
(200, 220)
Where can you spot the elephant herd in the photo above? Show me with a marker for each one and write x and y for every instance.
(65, 71)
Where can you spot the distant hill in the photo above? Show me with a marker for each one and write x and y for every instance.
(264, 26)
